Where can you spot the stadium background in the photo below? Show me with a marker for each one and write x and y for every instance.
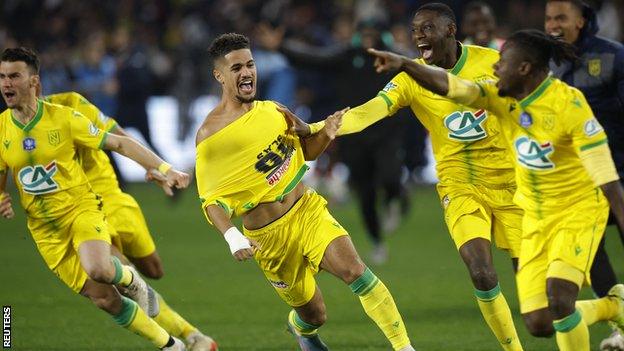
(133, 56)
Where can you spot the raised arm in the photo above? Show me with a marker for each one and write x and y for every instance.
(241, 247)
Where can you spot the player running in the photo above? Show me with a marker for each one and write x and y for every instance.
(249, 164)
(127, 225)
(566, 180)
(39, 146)
(476, 173)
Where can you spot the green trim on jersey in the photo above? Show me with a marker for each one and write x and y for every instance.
(461, 61)
(593, 145)
(293, 183)
(103, 141)
(386, 99)
(33, 121)
(536, 93)
(113, 126)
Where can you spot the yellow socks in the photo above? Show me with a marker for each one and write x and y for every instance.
(123, 274)
(134, 319)
(572, 333)
(300, 326)
(172, 322)
(497, 315)
(380, 307)
(596, 310)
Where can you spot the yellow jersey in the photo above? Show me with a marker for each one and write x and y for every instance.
(95, 163)
(42, 156)
(252, 160)
(467, 143)
(548, 130)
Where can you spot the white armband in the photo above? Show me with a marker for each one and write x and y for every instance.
(236, 240)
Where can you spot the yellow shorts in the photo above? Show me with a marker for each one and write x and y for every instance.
(560, 245)
(127, 222)
(293, 247)
(476, 211)
(58, 239)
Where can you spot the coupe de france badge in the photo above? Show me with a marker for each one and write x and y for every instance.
(526, 120)
(28, 144)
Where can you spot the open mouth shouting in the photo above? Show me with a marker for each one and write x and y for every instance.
(246, 86)
(426, 51)
(9, 96)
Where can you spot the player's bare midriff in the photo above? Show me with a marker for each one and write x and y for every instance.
(267, 212)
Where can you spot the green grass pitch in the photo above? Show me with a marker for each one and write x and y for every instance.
(234, 303)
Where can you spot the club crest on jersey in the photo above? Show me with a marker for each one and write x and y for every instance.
(38, 179)
(593, 67)
(54, 137)
(592, 127)
(533, 155)
(29, 144)
(466, 125)
(526, 120)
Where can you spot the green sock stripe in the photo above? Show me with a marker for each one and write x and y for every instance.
(303, 326)
(568, 323)
(118, 270)
(488, 295)
(128, 312)
(365, 283)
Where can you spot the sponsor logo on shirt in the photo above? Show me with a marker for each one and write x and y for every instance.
(389, 87)
(533, 155)
(466, 125)
(38, 179)
(278, 284)
(275, 159)
(93, 129)
(592, 127)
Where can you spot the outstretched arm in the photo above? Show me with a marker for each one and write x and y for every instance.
(146, 158)
(433, 79)
(314, 144)
(358, 118)
(241, 247)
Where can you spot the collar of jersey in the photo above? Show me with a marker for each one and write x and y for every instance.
(33, 121)
(537, 92)
(461, 61)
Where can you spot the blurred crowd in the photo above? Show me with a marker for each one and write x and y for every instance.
(119, 52)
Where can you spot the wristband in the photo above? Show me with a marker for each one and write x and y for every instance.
(236, 240)
(164, 168)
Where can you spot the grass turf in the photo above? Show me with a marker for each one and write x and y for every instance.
(232, 301)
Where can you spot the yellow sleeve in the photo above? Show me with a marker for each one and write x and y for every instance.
(462, 91)
(590, 140)
(86, 133)
(221, 202)
(316, 127)
(97, 117)
(358, 118)
(599, 164)
(400, 92)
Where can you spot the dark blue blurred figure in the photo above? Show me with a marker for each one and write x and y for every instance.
(599, 74)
